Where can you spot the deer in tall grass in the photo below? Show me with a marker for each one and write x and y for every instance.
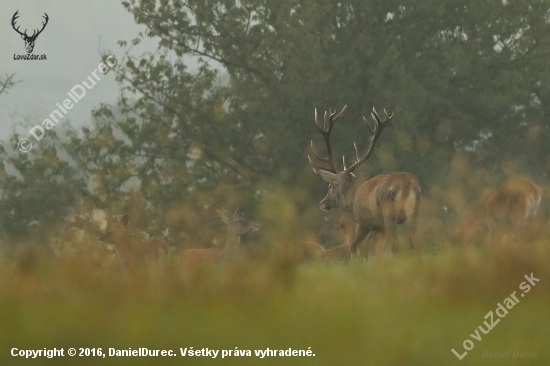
(341, 253)
(133, 254)
(237, 225)
(507, 209)
(314, 250)
(378, 204)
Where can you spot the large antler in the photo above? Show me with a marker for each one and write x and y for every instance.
(325, 129)
(43, 26)
(13, 19)
(34, 34)
(379, 126)
(44, 23)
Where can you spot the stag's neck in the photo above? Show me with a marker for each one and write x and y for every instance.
(232, 244)
(347, 198)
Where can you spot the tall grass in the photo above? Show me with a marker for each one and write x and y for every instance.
(402, 310)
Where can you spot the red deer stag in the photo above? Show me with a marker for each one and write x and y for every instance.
(237, 225)
(135, 253)
(509, 208)
(377, 204)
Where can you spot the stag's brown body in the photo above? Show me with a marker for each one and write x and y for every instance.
(134, 254)
(378, 204)
(509, 208)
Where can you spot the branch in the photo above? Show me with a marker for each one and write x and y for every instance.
(7, 82)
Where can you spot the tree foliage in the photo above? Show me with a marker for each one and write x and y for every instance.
(465, 80)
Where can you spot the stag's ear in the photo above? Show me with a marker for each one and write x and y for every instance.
(124, 220)
(328, 176)
(23, 36)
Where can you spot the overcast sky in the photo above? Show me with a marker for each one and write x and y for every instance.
(71, 41)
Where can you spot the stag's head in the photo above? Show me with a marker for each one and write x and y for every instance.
(339, 182)
(29, 40)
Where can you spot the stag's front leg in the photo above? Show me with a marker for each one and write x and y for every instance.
(360, 235)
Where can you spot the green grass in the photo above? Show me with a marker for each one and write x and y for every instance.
(404, 310)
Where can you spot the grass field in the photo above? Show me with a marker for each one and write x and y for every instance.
(404, 310)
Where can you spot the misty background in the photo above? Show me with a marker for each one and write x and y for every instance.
(211, 105)
(72, 40)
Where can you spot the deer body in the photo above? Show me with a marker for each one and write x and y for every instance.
(509, 207)
(135, 253)
(236, 227)
(313, 250)
(341, 253)
(378, 204)
(381, 203)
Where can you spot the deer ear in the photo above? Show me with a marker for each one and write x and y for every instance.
(23, 36)
(328, 176)
(124, 220)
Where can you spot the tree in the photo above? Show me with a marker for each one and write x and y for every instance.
(464, 79)
(7, 82)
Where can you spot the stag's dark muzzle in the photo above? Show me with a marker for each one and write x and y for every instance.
(324, 205)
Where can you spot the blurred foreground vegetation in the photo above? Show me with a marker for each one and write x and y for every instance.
(404, 310)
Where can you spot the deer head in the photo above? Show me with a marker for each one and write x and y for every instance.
(238, 222)
(115, 231)
(29, 40)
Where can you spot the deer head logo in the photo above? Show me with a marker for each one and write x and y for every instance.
(29, 40)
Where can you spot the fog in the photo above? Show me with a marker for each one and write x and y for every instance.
(72, 39)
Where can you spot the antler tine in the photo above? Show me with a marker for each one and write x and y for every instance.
(377, 119)
(368, 124)
(321, 127)
(379, 126)
(344, 162)
(318, 167)
(13, 19)
(43, 24)
(317, 154)
(341, 112)
(316, 119)
(356, 151)
(329, 119)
